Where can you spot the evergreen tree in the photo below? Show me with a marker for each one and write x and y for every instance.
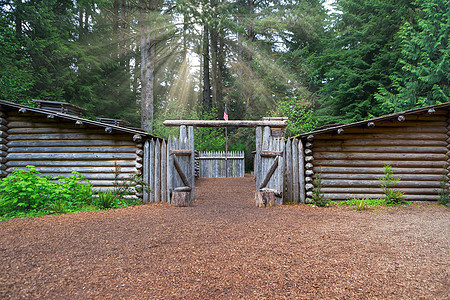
(425, 60)
(361, 55)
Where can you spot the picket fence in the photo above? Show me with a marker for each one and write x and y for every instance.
(220, 164)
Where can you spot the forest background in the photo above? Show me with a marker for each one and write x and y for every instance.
(146, 61)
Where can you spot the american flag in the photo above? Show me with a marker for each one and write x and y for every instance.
(225, 114)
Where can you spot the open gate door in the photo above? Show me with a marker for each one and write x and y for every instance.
(269, 168)
(180, 175)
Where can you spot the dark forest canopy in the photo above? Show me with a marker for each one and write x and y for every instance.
(167, 59)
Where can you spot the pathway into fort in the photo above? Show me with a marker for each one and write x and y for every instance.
(223, 247)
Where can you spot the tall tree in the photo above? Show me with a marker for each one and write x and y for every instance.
(424, 77)
(361, 55)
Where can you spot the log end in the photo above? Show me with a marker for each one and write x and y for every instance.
(180, 199)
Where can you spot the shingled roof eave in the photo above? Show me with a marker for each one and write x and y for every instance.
(377, 119)
(75, 118)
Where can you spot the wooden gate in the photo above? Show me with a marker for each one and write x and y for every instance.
(269, 168)
(180, 171)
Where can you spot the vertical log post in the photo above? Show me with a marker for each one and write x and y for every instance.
(163, 171)
(309, 173)
(181, 193)
(257, 171)
(301, 172)
(157, 171)
(191, 175)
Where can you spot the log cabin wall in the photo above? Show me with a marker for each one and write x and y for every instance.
(57, 146)
(3, 141)
(350, 161)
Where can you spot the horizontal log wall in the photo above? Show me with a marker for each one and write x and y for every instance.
(3, 141)
(217, 164)
(350, 162)
(57, 146)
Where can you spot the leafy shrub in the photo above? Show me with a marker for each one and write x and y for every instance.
(107, 199)
(360, 204)
(391, 196)
(57, 206)
(444, 191)
(25, 189)
(318, 197)
(29, 190)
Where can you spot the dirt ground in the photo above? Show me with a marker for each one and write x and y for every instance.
(222, 247)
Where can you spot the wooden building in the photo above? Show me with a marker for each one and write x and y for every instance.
(56, 140)
(350, 158)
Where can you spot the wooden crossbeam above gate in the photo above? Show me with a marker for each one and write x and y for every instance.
(230, 123)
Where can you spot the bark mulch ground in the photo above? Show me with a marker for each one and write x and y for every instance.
(222, 247)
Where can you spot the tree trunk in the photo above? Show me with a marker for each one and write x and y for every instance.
(206, 79)
(147, 66)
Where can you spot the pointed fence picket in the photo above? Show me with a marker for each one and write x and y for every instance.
(220, 164)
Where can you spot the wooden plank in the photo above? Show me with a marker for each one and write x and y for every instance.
(56, 130)
(258, 166)
(380, 156)
(295, 171)
(180, 172)
(229, 123)
(181, 152)
(269, 173)
(191, 144)
(280, 171)
(79, 136)
(417, 177)
(378, 163)
(81, 170)
(112, 149)
(375, 149)
(170, 174)
(380, 196)
(391, 129)
(379, 170)
(378, 143)
(145, 170)
(288, 175)
(301, 173)
(373, 190)
(72, 163)
(71, 143)
(383, 136)
(371, 183)
(151, 168)
(157, 171)
(71, 156)
(271, 153)
(163, 171)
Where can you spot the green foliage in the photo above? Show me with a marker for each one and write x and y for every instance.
(125, 186)
(299, 114)
(107, 199)
(444, 191)
(28, 190)
(360, 204)
(318, 197)
(392, 196)
(25, 190)
(360, 55)
(425, 60)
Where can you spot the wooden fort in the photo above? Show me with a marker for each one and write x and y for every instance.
(350, 158)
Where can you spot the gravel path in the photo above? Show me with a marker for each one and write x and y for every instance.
(225, 248)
